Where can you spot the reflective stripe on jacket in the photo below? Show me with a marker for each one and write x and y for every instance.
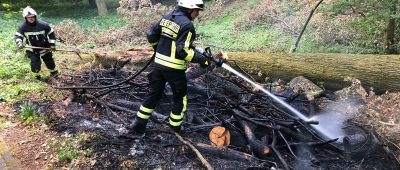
(174, 35)
(38, 34)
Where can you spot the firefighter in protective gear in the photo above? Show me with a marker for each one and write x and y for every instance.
(172, 39)
(39, 34)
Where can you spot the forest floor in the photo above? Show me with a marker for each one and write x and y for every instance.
(79, 134)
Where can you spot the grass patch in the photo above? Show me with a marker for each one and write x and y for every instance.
(15, 82)
(223, 33)
(28, 112)
(14, 67)
(15, 92)
(67, 148)
(88, 19)
(220, 32)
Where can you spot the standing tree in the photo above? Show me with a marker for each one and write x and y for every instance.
(102, 7)
(389, 45)
(92, 3)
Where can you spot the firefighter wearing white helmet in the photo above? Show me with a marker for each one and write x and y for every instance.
(37, 33)
(28, 12)
(172, 39)
(191, 4)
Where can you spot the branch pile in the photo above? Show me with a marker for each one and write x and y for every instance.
(227, 121)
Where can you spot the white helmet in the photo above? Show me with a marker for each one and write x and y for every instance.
(28, 12)
(191, 4)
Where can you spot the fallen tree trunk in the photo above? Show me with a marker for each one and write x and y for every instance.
(379, 71)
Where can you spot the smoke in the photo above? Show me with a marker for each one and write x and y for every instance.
(305, 157)
(333, 116)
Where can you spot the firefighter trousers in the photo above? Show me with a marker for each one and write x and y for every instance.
(178, 83)
(36, 62)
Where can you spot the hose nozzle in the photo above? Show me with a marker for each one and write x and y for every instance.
(209, 57)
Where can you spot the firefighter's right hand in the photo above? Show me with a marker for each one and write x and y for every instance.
(20, 45)
(204, 63)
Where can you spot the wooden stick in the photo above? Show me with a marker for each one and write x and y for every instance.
(198, 154)
(103, 104)
(45, 48)
(389, 124)
(127, 110)
(226, 153)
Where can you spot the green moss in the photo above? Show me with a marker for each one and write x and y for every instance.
(67, 149)
(15, 92)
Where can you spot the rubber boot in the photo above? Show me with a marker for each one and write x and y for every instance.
(177, 129)
(54, 74)
(138, 126)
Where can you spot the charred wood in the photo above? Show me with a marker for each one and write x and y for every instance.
(277, 153)
(108, 86)
(225, 153)
(256, 146)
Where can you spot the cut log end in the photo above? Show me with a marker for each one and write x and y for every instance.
(220, 136)
(266, 151)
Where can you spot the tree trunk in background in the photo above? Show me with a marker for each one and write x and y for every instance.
(389, 45)
(379, 71)
(92, 3)
(102, 7)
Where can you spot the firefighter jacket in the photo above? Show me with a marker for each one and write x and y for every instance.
(38, 34)
(172, 38)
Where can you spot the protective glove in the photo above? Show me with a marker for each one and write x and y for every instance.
(204, 64)
(208, 55)
(20, 45)
(53, 47)
(154, 48)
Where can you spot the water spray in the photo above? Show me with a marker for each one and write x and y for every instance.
(220, 63)
(304, 118)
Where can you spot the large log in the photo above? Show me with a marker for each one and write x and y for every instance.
(379, 71)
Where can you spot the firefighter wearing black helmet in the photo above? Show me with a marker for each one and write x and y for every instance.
(172, 39)
(39, 34)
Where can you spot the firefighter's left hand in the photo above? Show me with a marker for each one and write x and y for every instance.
(53, 47)
(154, 48)
(20, 45)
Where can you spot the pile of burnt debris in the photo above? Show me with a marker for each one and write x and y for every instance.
(228, 125)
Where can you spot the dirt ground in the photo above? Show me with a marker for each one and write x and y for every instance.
(29, 145)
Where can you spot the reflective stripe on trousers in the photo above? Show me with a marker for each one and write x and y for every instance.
(144, 112)
(178, 83)
(177, 119)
